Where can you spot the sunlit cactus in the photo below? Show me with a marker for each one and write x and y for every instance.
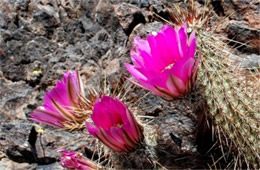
(234, 104)
(232, 93)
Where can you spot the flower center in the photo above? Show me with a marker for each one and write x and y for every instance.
(168, 67)
(119, 125)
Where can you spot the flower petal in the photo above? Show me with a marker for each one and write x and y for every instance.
(194, 71)
(74, 160)
(166, 94)
(103, 139)
(173, 90)
(134, 72)
(178, 83)
(134, 128)
(46, 117)
(115, 125)
(183, 40)
(192, 45)
(62, 101)
(182, 69)
(141, 44)
(109, 141)
(72, 89)
(166, 68)
(172, 41)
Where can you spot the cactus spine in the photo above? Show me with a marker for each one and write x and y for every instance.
(233, 100)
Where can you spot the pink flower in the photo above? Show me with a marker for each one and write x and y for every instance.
(165, 62)
(115, 125)
(74, 160)
(62, 103)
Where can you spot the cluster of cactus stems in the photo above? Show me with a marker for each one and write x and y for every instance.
(233, 100)
(232, 96)
(231, 92)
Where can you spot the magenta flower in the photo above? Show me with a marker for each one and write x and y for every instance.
(62, 104)
(74, 160)
(165, 62)
(115, 125)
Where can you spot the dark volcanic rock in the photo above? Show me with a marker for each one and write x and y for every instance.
(105, 17)
(6, 164)
(174, 129)
(177, 133)
(250, 61)
(142, 30)
(21, 142)
(53, 166)
(244, 22)
(14, 99)
(242, 32)
(238, 9)
(15, 141)
(129, 16)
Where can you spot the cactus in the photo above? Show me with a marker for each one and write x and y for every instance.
(231, 92)
(233, 102)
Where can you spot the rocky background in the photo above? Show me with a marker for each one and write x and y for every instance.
(41, 39)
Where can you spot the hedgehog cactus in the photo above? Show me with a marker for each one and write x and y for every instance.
(231, 93)
(232, 96)
(233, 102)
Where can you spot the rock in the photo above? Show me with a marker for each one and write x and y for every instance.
(101, 42)
(14, 98)
(250, 61)
(242, 32)
(129, 16)
(244, 24)
(15, 141)
(21, 142)
(14, 72)
(112, 67)
(105, 16)
(142, 30)
(53, 166)
(38, 47)
(90, 27)
(25, 55)
(159, 6)
(50, 141)
(174, 128)
(181, 121)
(6, 164)
(252, 18)
(48, 13)
(237, 10)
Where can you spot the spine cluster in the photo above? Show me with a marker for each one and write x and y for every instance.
(233, 99)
